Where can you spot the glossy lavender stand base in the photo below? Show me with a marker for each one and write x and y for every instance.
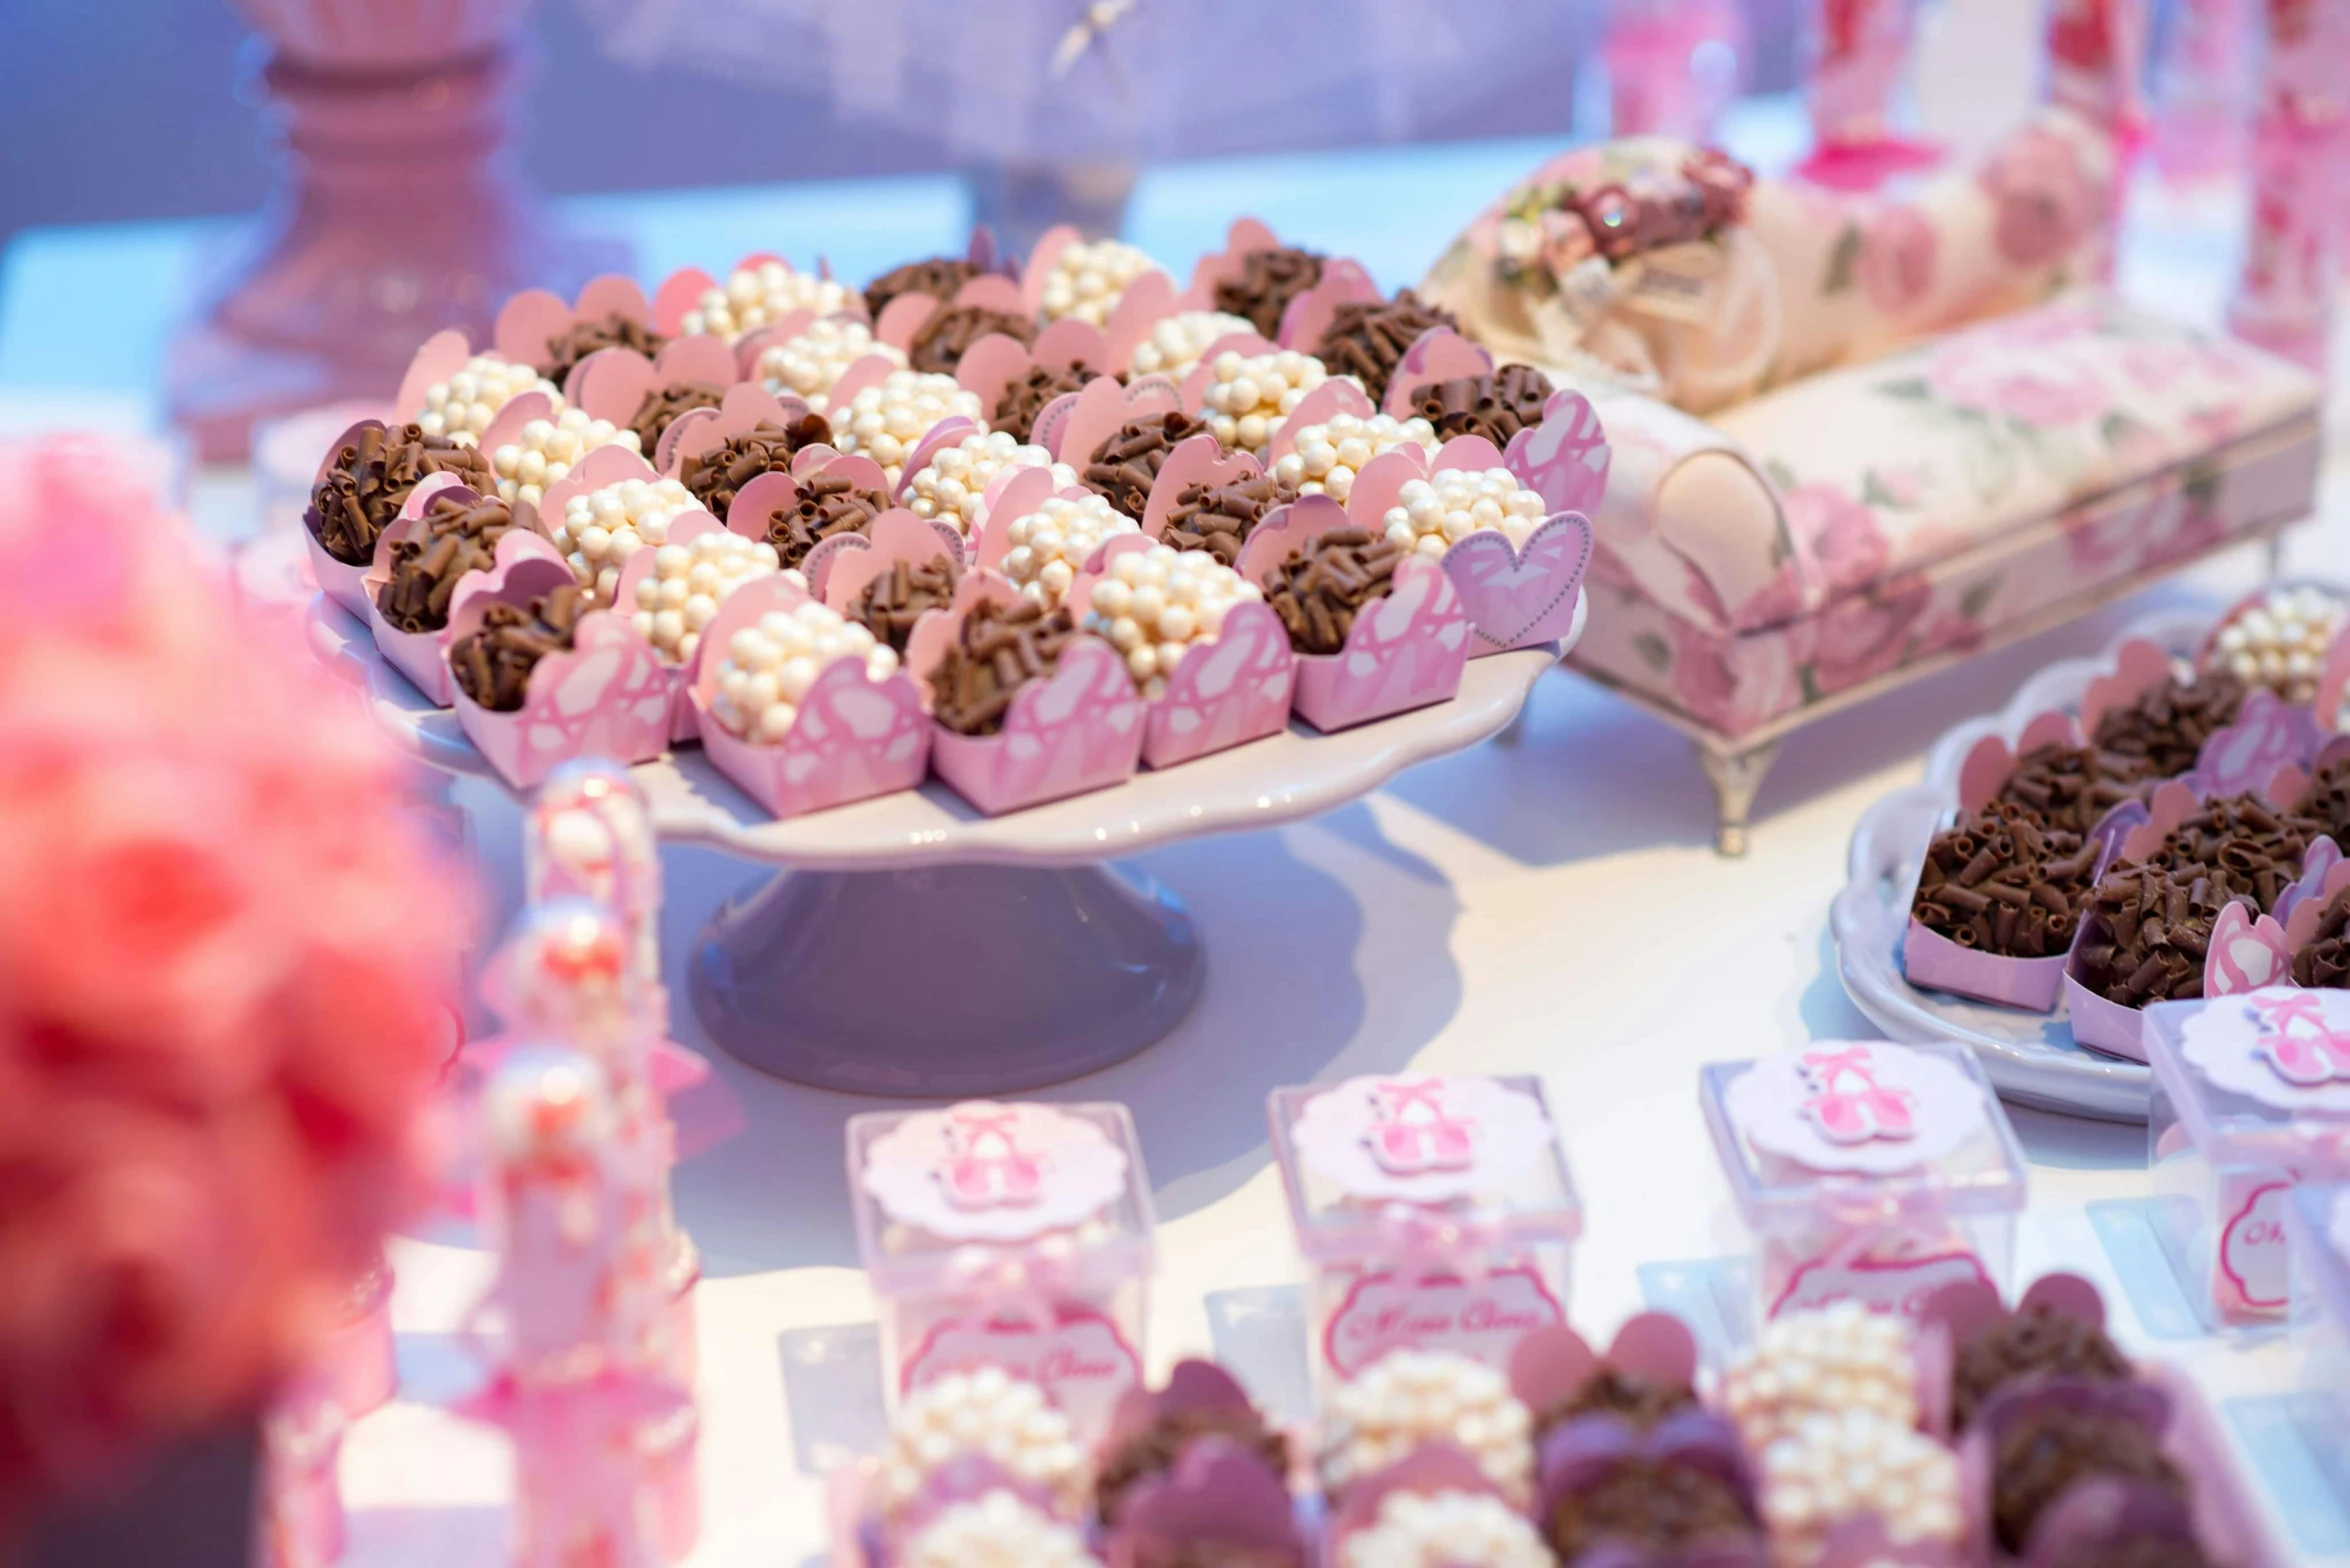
(947, 981)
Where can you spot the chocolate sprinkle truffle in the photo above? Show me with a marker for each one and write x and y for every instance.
(889, 605)
(2258, 846)
(939, 277)
(2328, 800)
(365, 486)
(1155, 1449)
(2072, 787)
(1999, 882)
(2166, 727)
(950, 332)
(1123, 468)
(997, 650)
(2036, 1342)
(2324, 961)
(493, 662)
(1318, 590)
(1641, 1402)
(1663, 1508)
(829, 504)
(717, 476)
(1268, 281)
(1025, 398)
(2042, 1455)
(1219, 518)
(456, 538)
(576, 342)
(2148, 931)
(1367, 338)
(662, 405)
(1496, 406)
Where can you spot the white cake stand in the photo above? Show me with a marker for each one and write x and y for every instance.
(911, 946)
(2031, 1057)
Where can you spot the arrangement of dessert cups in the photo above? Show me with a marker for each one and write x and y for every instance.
(2177, 837)
(1027, 529)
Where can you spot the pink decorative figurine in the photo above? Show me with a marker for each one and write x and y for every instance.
(2293, 246)
(1866, 1171)
(2252, 1097)
(1435, 1214)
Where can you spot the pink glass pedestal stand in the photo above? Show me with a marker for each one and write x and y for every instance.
(397, 211)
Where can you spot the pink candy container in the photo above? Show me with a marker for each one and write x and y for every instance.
(1016, 1236)
(2251, 1097)
(2317, 1223)
(1434, 1214)
(1866, 1171)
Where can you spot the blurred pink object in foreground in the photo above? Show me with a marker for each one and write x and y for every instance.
(1673, 65)
(397, 210)
(2293, 250)
(1859, 50)
(221, 958)
(2203, 90)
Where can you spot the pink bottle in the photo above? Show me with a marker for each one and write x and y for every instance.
(1859, 50)
(1434, 1213)
(301, 1493)
(2293, 244)
(2203, 91)
(1866, 1171)
(1673, 65)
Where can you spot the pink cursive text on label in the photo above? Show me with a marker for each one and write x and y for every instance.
(1081, 1360)
(1898, 1286)
(1482, 1319)
(2253, 1259)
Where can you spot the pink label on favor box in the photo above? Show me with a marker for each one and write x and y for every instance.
(1896, 1286)
(1481, 1318)
(1081, 1361)
(2254, 1273)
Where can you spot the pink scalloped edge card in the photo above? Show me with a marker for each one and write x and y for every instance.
(986, 1170)
(2139, 665)
(1861, 1107)
(840, 567)
(1246, 236)
(1072, 429)
(2286, 1047)
(1338, 395)
(746, 406)
(606, 696)
(1991, 760)
(1078, 729)
(1196, 383)
(1307, 317)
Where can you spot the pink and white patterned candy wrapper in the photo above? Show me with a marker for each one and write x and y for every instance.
(1229, 690)
(683, 721)
(1079, 729)
(1405, 651)
(423, 657)
(854, 739)
(607, 696)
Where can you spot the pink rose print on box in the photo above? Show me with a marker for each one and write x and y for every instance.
(1897, 255)
(1839, 535)
(1866, 634)
(2046, 203)
(2010, 381)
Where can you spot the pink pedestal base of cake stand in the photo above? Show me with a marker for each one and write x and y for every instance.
(945, 982)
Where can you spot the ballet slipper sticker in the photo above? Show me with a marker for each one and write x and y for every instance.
(1867, 1107)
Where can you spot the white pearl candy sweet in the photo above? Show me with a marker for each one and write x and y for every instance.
(1000, 1530)
(688, 583)
(600, 529)
(770, 667)
(754, 296)
(887, 421)
(462, 407)
(1050, 544)
(1408, 1398)
(1252, 393)
(1177, 343)
(1838, 1359)
(1444, 1530)
(1834, 1466)
(1154, 604)
(544, 450)
(1326, 457)
(950, 485)
(806, 366)
(1432, 515)
(2282, 640)
(1088, 279)
(987, 1413)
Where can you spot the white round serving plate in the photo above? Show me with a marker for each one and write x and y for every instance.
(2031, 1057)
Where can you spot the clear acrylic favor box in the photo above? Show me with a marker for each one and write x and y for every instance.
(2317, 1223)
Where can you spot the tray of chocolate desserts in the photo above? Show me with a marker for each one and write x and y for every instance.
(1020, 529)
(2164, 821)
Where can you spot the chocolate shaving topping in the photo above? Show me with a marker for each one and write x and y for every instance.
(662, 405)
(2328, 800)
(2035, 1342)
(1219, 518)
(2166, 727)
(1496, 406)
(2042, 1455)
(1639, 1401)
(940, 345)
(1654, 1506)
(493, 662)
(939, 277)
(1366, 338)
(2324, 960)
(2071, 787)
(998, 649)
(365, 486)
(1155, 1449)
(455, 537)
(829, 504)
(716, 476)
(1317, 591)
(889, 605)
(576, 342)
(1026, 396)
(2148, 931)
(1999, 882)
(1268, 281)
(2259, 846)
(1123, 468)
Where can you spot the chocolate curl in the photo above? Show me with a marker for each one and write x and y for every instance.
(938, 347)
(662, 405)
(1218, 1503)
(940, 277)
(576, 342)
(1219, 518)
(1320, 588)
(998, 649)
(1496, 406)
(1124, 467)
(493, 662)
(1026, 396)
(2163, 731)
(891, 604)
(2034, 1444)
(717, 476)
(1999, 881)
(829, 503)
(1683, 1487)
(455, 536)
(1366, 339)
(1268, 281)
(367, 483)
